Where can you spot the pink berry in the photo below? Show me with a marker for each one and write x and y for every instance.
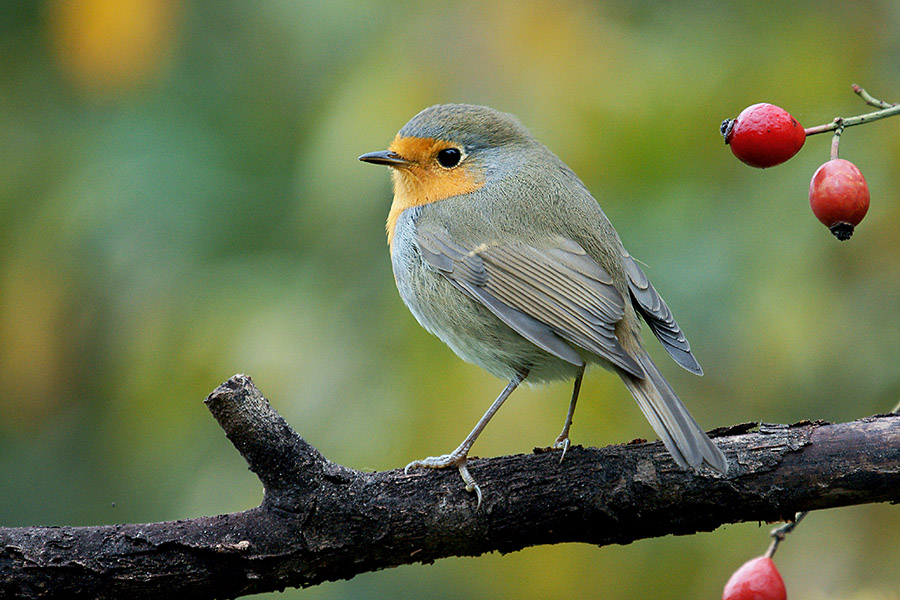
(763, 135)
(757, 579)
(839, 196)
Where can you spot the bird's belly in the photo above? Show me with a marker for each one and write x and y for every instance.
(472, 331)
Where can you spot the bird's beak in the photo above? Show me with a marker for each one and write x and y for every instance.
(385, 157)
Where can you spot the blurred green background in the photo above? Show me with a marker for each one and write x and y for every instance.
(180, 201)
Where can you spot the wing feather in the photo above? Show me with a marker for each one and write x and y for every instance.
(659, 318)
(553, 297)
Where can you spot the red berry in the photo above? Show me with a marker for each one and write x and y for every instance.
(757, 579)
(763, 135)
(839, 196)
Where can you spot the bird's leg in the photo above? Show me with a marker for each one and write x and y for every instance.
(459, 456)
(562, 441)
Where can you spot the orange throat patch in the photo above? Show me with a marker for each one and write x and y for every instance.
(425, 180)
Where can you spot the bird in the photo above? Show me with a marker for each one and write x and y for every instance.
(500, 250)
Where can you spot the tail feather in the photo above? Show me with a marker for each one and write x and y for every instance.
(670, 419)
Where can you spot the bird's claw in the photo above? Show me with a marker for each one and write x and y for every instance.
(561, 443)
(471, 485)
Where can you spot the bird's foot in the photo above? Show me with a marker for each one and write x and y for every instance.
(449, 460)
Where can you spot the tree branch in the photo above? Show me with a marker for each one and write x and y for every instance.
(319, 521)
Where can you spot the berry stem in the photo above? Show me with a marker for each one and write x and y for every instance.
(836, 141)
(778, 534)
(887, 110)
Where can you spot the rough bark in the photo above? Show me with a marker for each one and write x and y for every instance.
(319, 521)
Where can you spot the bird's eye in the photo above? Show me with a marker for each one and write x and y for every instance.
(449, 157)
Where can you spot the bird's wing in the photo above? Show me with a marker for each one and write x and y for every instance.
(551, 296)
(658, 316)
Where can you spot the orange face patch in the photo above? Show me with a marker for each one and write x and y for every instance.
(425, 180)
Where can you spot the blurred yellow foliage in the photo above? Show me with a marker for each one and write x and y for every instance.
(107, 46)
(32, 360)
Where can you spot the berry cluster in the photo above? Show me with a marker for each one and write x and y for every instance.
(762, 136)
(765, 135)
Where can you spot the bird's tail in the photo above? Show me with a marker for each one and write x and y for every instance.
(675, 426)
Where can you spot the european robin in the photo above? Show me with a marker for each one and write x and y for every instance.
(501, 251)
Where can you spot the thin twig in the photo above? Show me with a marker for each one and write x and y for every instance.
(887, 110)
(869, 99)
(778, 534)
